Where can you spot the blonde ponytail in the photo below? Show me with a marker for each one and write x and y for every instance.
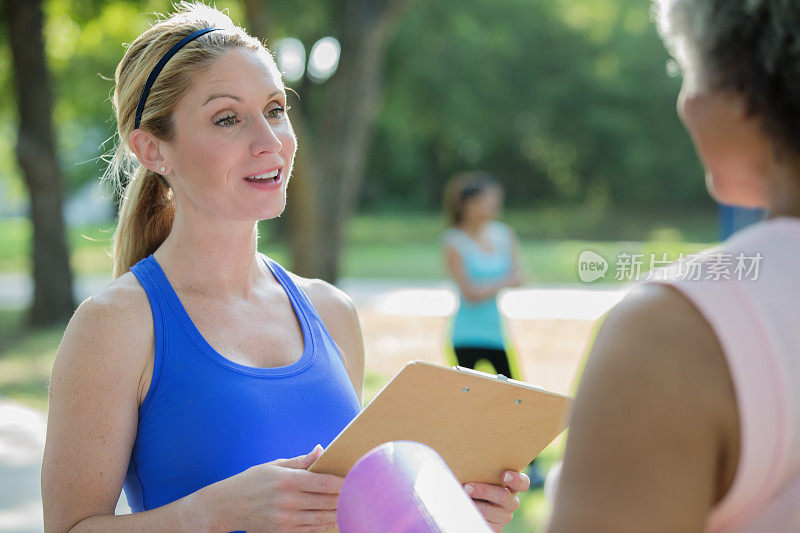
(145, 219)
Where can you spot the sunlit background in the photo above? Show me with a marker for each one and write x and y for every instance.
(570, 104)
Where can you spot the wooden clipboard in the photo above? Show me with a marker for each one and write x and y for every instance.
(481, 424)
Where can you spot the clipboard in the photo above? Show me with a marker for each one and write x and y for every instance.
(481, 424)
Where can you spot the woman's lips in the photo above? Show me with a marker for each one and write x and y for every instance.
(267, 181)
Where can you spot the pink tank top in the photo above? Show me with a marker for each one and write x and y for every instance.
(749, 292)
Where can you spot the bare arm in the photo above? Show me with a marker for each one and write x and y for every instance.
(454, 264)
(93, 416)
(653, 440)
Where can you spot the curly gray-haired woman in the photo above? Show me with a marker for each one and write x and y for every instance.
(686, 418)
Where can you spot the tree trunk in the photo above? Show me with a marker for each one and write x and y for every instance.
(53, 299)
(340, 154)
(303, 210)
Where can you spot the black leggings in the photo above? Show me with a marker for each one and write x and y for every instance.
(468, 356)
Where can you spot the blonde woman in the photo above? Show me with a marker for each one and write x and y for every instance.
(204, 362)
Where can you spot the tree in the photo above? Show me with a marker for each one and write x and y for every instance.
(334, 123)
(566, 102)
(53, 299)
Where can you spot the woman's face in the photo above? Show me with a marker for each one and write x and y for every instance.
(731, 144)
(234, 147)
(486, 205)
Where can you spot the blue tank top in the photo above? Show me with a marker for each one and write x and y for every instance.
(478, 324)
(206, 418)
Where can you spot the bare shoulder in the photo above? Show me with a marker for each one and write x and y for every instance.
(654, 427)
(111, 332)
(665, 351)
(93, 409)
(336, 308)
(122, 294)
(329, 300)
(668, 324)
(120, 310)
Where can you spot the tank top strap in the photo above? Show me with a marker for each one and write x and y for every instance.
(303, 302)
(148, 278)
(295, 293)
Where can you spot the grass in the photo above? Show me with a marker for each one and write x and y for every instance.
(406, 245)
(551, 240)
(26, 358)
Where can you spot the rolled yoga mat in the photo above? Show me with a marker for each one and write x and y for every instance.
(405, 487)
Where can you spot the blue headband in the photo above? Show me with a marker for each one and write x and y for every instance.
(160, 65)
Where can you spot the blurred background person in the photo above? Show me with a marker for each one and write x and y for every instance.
(481, 256)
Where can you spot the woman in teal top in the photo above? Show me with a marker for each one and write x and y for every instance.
(481, 256)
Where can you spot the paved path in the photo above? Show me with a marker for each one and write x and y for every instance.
(22, 433)
(21, 444)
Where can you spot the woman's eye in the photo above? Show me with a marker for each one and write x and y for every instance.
(277, 112)
(228, 120)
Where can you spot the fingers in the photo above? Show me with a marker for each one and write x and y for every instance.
(314, 501)
(497, 504)
(302, 480)
(495, 516)
(316, 529)
(317, 519)
(498, 496)
(300, 462)
(305, 521)
(516, 481)
(315, 453)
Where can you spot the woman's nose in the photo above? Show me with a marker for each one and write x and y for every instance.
(265, 139)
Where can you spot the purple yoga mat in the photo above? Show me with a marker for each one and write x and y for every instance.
(405, 487)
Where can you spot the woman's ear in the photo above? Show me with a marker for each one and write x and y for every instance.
(740, 107)
(147, 150)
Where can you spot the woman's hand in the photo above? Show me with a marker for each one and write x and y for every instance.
(279, 496)
(498, 503)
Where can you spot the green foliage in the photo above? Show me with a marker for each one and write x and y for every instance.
(84, 41)
(562, 100)
(84, 44)
(565, 101)
(26, 358)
